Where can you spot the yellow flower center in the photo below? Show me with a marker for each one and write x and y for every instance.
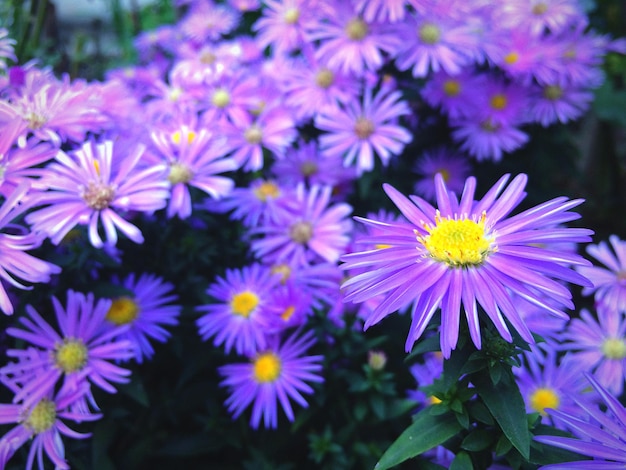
(451, 87)
(253, 134)
(98, 196)
(70, 355)
(552, 92)
(288, 313)
(179, 173)
(429, 33)
(363, 128)
(490, 126)
(614, 348)
(309, 168)
(324, 78)
(356, 29)
(220, 98)
(498, 101)
(175, 94)
(301, 232)
(123, 310)
(284, 270)
(267, 367)
(511, 58)
(539, 9)
(244, 303)
(543, 398)
(177, 137)
(457, 242)
(42, 417)
(267, 190)
(382, 246)
(433, 400)
(292, 15)
(445, 174)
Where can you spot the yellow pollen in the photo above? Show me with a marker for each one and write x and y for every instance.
(433, 400)
(324, 78)
(253, 134)
(543, 398)
(42, 417)
(220, 98)
(451, 87)
(614, 348)
(175, 94)
(498, 101)
(552, 92)
(457, 242)
(489, 126)
(381, 246)
(445, 174)
(123, 310)
(429, 33)
(363, 128)
(96, 165)
(98, 196)
(570, 54)
(292, 15)
(511, 58)
(267, 367)
(356, 29)
(179, 173)
(288, 313)
(70, 355)
(244, 303)
(266, 190)
(309, 168)
(301, 232)
(284, 270)
(540, 9)
(36, 121)
(177, 137)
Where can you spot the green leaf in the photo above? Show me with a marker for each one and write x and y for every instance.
(477, 440)
(426, 432)
(452, 367)
(428, 344)
(506, 404)
(462, 461)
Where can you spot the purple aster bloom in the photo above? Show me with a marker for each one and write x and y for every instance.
(282, 24)
(432, 43)
(207, 21)
(553, 103)
(454, 169)
(454, 94)
(358, 131)
(194, 158)
(262, 200)
(549, 382)
(538, 16)
(16, 265)
(467, 253)
(43, 424)
(609, 282)
(96, 185)
(601, 433)
(288, 307)
(598, 343)
(237, 317)
(306, 164)
(274, 375)
(146, 310)
(484, 139)
(83, 350)
(273, 129)
(348, 43)
(230, 95)
(312, 230)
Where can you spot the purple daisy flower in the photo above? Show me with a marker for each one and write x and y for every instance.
(453, 94)
(146, 310)
(358, 131)
(484, 139)
(538, 16)
(312, 230)
(348, 43)
(16, 265)
(599, 345)
(609, 283)
(601, 433)
(194, 158)
(553, 103)
(237, 316)
(207, 21)
(547, 381)
(454, 169)
(92, 186)
(43, 424)
(273, 375)
(83, 350)
(288, 307)
(381, 10)
(465, 253)
(282, 24)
